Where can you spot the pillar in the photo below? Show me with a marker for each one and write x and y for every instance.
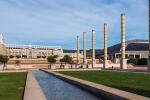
(105, 64)
(149, 36)
(84, 47)
(123, 61)
(93, 48)
(78, 51)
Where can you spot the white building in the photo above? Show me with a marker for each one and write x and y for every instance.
(31, 51)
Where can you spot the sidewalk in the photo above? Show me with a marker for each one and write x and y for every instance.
(33, 90)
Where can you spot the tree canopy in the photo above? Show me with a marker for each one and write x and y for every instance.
(66, 59)
(51, 59)
(4, 59)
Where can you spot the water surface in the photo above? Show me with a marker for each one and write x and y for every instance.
(57, 89)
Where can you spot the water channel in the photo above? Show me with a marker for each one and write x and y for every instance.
(57, 89)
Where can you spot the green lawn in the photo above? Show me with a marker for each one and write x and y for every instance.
(12, 85)
(138, 83)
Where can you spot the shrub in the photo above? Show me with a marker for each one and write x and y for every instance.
(43, 56)
(18, 56)
(38, 56)
(142, 61)
(11, 56)
(132, 61)
(24, 56)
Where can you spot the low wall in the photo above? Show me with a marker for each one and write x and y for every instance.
(29, 61)
(98, 89)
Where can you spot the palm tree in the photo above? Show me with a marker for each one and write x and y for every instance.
(4, 60)
(51, 60)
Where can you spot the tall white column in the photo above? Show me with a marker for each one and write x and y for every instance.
(149, 36)
(78, 51)
(93, 48)
(84, 47)
(105, 65)
(123, 61)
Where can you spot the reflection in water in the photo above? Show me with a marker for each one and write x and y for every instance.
(56, 89)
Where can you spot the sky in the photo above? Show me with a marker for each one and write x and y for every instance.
(58, 22)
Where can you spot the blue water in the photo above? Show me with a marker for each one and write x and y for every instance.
(57, 89)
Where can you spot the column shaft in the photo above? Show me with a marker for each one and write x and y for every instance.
(84, 47)
(105, 46)
(93, 48)
(105, 41)
(149, 36)
(123, 64)
(78, 46)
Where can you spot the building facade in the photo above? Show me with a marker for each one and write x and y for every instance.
(30, 51)
(134, 49)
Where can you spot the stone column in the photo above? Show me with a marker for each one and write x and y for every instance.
(105, 65)
(84, 48)
(93, 48)
(123, 61)
(149, 36)
(78, 51)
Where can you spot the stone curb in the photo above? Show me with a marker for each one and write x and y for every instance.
(98, 89)
(33, 90)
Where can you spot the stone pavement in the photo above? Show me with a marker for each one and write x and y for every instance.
(33, 90)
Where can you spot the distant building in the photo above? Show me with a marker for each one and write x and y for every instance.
(30, 51)
(134, 48)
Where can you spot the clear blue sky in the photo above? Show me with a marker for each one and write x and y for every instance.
(58, 22)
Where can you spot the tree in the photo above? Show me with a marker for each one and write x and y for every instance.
(17, 62)
(67, 59)
(4, 60)
(51, 60)
(61, 65)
